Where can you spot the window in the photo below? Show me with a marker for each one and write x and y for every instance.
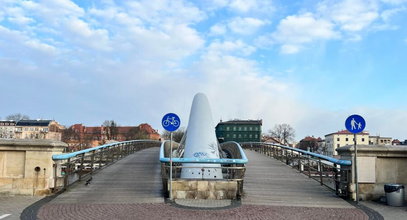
(346, 139)
(227, 128)
(245, 128)
(227, 135)
(250, 136)
(234, 128)
(240, 128)
(240, 135)
(363, 139)
(337, 139)
(255, 128)
(234, 135)
(255, 136)
(250, 128)
(337, 145)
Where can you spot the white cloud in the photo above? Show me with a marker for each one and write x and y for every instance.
(166, 11)
(217, 29)
(394, 2)
(350, 15)
(228, 48)
(245, 26)
(251, 6)
(294, 31)
(86, 36)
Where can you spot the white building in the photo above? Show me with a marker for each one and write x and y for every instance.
(343, 138)
(7, 129)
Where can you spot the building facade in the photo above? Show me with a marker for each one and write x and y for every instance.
(343, 138)
(7, 129)
(377, 140)
(31, 129)
(81, 137)
(239, 131)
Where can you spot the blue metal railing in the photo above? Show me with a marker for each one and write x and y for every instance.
(320, 156)
(242, 160)
(76, 153)
(329, 171)
(72, 167)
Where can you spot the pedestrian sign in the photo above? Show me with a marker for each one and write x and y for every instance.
(355, 124)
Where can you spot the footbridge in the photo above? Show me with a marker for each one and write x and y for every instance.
(125, 181)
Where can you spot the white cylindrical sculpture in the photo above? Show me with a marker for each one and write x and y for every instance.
(201, 142)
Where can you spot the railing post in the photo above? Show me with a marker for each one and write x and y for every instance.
(101, 157)
(67, 172)
(300, 166)
(336, 180)
(320, 168)
(81, 166)
(309, 167)
(286, 156)
(92, 160)
(55, 174)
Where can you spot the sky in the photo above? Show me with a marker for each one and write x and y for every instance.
(307, 63)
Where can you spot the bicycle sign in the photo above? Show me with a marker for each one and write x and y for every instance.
(171, 122)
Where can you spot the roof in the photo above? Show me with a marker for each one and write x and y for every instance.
(347, 132)
(309, 138)
(242, 122)
(33, 122)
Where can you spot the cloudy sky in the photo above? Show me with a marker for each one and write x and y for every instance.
(307, 63)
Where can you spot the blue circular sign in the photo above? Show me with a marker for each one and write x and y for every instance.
(355, 124)
(171, 122)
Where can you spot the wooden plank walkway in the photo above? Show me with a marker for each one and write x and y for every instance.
(271, 182)
(133, 179)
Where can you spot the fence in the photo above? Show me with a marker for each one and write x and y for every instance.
(328, 171)
(72, 167)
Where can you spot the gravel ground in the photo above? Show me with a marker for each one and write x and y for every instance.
(168, 211)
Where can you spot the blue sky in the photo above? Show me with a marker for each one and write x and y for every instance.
(307, 63)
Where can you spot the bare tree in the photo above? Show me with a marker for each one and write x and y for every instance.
(17, 117)
(136, 133)
(110, 128)
(176, 135)
(283, 132)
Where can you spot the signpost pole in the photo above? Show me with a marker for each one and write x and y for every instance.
(170, 165)
(355, 124)
(356, 169)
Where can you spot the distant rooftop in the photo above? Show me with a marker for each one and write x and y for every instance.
(33, 122)
(260, 122)
(346, 132)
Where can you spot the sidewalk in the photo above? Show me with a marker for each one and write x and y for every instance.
(388, 212)
(11, 207)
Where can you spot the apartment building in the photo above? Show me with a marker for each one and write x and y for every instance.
(343, 138)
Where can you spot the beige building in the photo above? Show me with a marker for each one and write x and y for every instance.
(377, 140)
(343, 138)
(7, 129)
(38, 129)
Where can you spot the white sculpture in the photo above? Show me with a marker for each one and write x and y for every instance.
(200, 142)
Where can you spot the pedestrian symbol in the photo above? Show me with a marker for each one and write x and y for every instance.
(355, 124)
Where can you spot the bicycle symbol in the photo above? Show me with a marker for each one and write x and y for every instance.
(170, 121)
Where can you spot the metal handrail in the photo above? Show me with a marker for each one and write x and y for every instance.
(75, 166)
(320, 156)
(76, 153)
(242, 160)
(315, 166)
